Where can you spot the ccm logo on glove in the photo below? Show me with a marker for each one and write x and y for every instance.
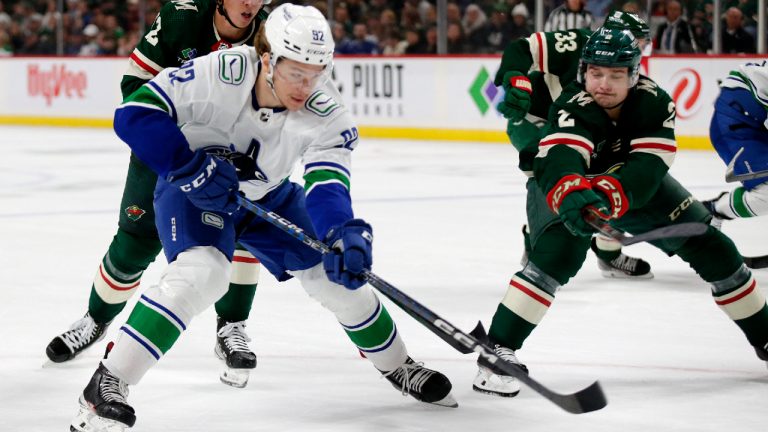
(612, 189)
(566, 185)
(200, 179)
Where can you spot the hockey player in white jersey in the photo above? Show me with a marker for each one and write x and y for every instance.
(740, 121)
(236, 121)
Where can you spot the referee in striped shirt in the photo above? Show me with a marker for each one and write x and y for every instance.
(570, 15)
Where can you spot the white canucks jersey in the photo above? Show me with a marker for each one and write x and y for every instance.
(213, 102)
(752, 77)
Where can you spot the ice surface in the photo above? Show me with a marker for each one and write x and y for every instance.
(447, 220)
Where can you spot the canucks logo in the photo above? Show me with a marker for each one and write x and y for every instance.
(134, 212)
(245, 163)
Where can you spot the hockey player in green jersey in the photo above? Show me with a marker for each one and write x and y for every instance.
(183, 30)
(607, 149)
(533, 72)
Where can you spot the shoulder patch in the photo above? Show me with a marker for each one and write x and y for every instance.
(232, 67)
(321, 104)
(185, 5)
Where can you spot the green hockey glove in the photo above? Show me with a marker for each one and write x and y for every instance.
(570, 197)
(517, 96)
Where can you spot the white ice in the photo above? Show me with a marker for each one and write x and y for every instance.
(447, 220)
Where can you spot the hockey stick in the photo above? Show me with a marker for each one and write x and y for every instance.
(757, 262)
(686, 229)
(730, 177)
(589, 399)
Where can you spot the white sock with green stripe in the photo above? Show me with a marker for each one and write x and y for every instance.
(363, 317)
(190, 284)
(741, 203)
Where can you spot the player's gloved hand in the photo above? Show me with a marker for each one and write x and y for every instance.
(352, 253)
(209, 182)
(517, 96)
(570, 197)
(614, 193)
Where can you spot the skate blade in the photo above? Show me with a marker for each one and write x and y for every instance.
(237, 378)
(608, 274)
(448, 401)
(87, 421)
(495, 393)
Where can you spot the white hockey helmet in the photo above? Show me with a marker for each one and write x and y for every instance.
(299, 33)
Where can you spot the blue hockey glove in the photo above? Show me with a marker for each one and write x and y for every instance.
(352, 253)
(570, 197)
(517, 96)
(209, 182)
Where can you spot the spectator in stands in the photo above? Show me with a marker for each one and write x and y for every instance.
(499, 30)
(675, 36)
(455, 39)
(571, 14)
(393, 44)
(475, 25)
(735, 38)
(360, 43)
(702, 29)
(452, 13)
(415, 41)
(340, 36)
(341, 16)
(90, 47)
(6, 49)
(520, 27)
(430, 40)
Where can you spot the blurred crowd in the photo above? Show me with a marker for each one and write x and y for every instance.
(382, 27)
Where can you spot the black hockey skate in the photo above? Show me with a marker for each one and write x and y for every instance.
(103, 406)
(82, 334)
(232, 348)
(623, 266)
(762, 353)
(492, 380)
(425, 385)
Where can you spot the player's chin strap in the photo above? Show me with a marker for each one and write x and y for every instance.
(270, 74)
(223, 12)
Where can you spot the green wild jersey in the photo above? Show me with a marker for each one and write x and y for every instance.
(551, 60)
(183, 30)
(581, 139)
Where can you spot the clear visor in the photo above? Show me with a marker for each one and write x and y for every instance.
(300, 76)
(606, 77)
(646, 47)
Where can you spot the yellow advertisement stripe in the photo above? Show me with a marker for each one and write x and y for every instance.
(412, 133)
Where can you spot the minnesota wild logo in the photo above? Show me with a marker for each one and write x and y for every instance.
(134, 212)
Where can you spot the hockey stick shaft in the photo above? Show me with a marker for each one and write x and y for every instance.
(756, 262)
(686, 229)
(589, 399)
(731, 177)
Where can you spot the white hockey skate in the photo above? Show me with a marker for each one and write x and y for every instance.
(492, 380)
(232, 348)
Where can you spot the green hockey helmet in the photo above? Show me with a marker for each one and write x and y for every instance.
(611, 48)
(619, 20)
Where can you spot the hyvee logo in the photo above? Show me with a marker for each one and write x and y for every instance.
(686, 92)
(53, 83)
